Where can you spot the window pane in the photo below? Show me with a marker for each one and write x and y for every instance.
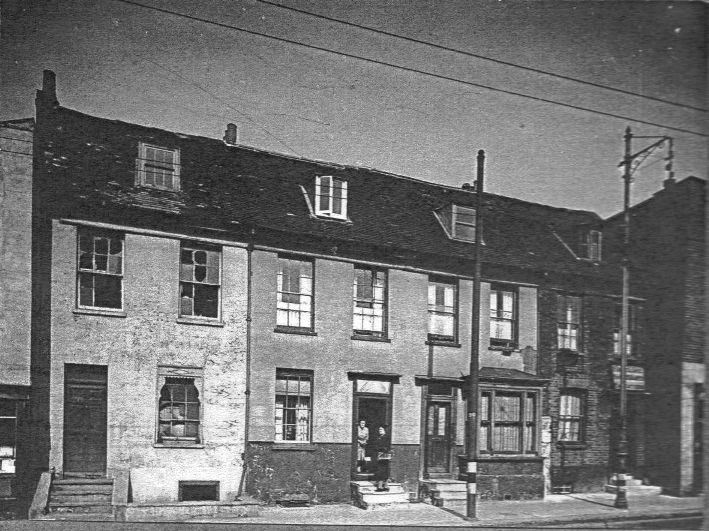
(337, 196)
(107, 291)
(507, 407)
(206, 301)
(324, 199)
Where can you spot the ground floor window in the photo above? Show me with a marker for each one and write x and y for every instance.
(179, 405)
(508, 421)
(8, 436)
(294, 406)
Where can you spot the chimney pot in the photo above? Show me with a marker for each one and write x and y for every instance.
(230, 135)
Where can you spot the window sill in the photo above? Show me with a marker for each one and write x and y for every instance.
(509, 457)
(179, 446)
(198, 321)
(294, 330)
(365, 337)
(286, 446)
(443, 343)
(96, 311)
(572, 445)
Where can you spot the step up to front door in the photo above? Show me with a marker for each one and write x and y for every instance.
(87, 497)
(633, 486)
(448, 493)
(365, 496)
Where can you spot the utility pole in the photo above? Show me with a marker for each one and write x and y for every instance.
(471, 440)
(621, 499)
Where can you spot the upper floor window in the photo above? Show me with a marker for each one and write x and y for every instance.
(100, 270)
(508, 422)
(442, 309)
(568, 321)
(590, 245)
(294, 307)
(503, 316)
(330, 197)
(199, 281)
(159, 167)
(8, 435)
(369, 314)
(179, 405)
(294, 407)
(571, 411)
(632, 336)
(458, 221)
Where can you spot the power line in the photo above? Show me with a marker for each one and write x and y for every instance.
(479, 56)
(15, 152)
(409, 69)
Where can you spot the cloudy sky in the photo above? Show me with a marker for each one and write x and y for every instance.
(413, 87)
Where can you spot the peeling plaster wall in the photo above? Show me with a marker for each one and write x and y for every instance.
(135, 345)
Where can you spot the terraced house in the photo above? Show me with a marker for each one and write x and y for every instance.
(212, 319)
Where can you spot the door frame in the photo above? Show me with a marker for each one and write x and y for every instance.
(429, 399)
(386, 397)
(91, 376)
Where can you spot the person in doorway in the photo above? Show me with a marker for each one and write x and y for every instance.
(381, 458)
(362, 440)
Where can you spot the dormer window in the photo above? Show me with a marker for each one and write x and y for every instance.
(458, 221)
(590, 245)
(330, 197)
(158, 167)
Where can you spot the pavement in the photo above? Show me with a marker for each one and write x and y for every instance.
(554, 510)
(589, 511)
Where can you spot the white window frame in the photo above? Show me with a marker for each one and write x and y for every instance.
(7, 462)
(194, 283)
(527, 428)
(329, 210)
(194, 373)
(569, 418)
(144, 164)
(370, 307)
(458, 212)
(96, 271)
(565, 325)
(450, 312)
(279, 423)
(287, 311)
(497, 314)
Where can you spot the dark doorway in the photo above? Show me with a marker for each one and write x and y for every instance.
(438, 437)
(372, 404)
(85, 419)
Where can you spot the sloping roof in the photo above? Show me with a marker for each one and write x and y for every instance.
(236, 186)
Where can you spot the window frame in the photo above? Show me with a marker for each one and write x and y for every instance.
(562, 318)
(280, 292)
(143, 162)
(11, 459)
(633, 333)
(591, 245)
(187, 245)
(435, 281)
(486, 446)
(373, 301)
(580, 418)
(197, 374)
(455, 213)
(500, 343)
(288, 374)
(329, 212)
(94, 272)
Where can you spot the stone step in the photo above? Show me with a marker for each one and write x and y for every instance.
(72, 498)
(449, 495)
(80, 507)
(393, 489)
(384, 500)
(83, 481)
(649, 490)
(82, 489)
(458, 486)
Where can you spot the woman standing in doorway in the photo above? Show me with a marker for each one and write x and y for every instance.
(381, 458)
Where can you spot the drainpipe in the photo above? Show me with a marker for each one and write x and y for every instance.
(247, 392)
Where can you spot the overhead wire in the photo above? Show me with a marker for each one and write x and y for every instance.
(479, 56)
(410, 69)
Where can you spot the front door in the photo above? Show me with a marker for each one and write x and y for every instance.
(85, 419)
(372, 405)
(438, 437)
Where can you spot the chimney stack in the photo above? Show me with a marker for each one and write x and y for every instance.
(230, 135)
(49, 88)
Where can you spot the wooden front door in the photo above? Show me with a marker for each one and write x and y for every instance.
(438, 437)
(85, 419)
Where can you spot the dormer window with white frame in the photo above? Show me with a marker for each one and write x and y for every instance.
(158, 167)
(590, 245)
(458, 222)
(330, 197)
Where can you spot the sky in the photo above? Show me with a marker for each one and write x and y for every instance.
(411, 87)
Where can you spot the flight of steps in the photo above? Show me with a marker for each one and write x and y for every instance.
(365, 496)
(85, 498)
(633, 486)
(448, 493)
